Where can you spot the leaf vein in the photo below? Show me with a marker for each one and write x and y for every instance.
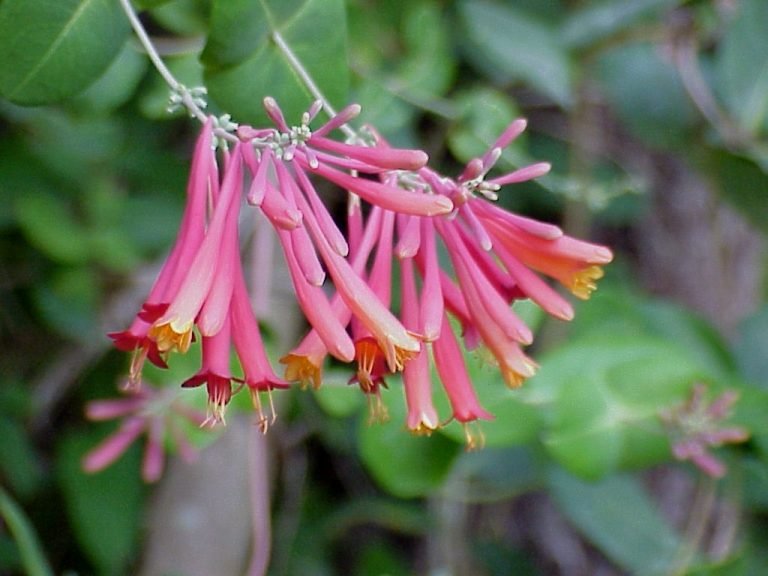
(76, 15)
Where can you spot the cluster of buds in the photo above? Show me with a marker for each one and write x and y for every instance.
(399, 212)
(157, 413)
(696, 426)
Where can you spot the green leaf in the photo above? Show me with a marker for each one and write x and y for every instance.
(149, 221)
(601, 399)
(69, 302)
(19, 170)
(741, 182)
(116, 85)
(402, 463)
(111, 247)
(386, 111)
(378, 556)
(50, 51)
(104, 508)
(509, 45)
(742, 65)
(584, 437)
(647, 94)
(495, 474)
(428, 67)
(619, 518)
(701, 341)
(243, 63)
(71, 146)
(337, 398)
(597, 21)
(183, 17)
(49, 225)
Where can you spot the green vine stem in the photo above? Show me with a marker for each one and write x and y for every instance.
(176, 87)
(31, 553)
(191, 98)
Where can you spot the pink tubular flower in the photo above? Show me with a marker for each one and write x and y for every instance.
(201, 290)
(215, 373)
(456, 382)
(319, 240)
(204, 277)
(343, 281)
(203, 179)
(304, 363)
(144, 410)
(496, 257)
(422, 416)
(258, 375)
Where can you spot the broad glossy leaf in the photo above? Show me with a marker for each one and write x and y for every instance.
(621, 312)
(742, 65)
(380, 556)
(602, 398)
(583, 437)
(619, 518)
(749, 412)
(401, 54)
(509, 45)
(50, 51)
(243, 63)
(117, 85)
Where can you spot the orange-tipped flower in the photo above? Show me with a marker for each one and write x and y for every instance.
(493, 258)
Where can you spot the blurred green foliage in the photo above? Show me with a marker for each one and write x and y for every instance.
(91, 189)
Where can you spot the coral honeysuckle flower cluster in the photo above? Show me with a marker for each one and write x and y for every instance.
(400, 212)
